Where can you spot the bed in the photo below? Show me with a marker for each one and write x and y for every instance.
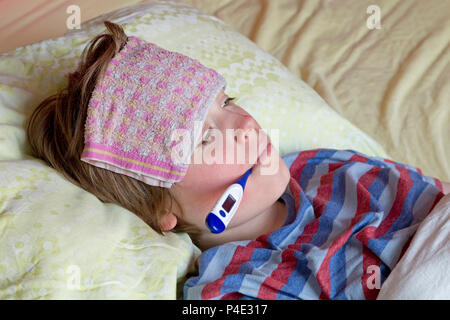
(391, 80)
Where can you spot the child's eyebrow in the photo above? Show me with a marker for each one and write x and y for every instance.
(205, 124)
(201, 134)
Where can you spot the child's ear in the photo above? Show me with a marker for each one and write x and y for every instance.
(168, 222)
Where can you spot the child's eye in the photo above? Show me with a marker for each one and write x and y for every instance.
(206, 137)
(227, 101)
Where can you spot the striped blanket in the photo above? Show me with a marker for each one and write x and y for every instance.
(349, 219)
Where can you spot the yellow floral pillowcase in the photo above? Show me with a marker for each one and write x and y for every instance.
(58, 241)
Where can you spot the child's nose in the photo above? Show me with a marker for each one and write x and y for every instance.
(245, 120)
(247, 127)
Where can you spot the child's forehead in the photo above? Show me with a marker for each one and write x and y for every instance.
(217, 102)
(221, 95)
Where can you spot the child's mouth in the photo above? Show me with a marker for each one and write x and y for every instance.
(262, 159)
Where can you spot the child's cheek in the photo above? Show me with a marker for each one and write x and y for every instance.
(221, 175)
(212, 171)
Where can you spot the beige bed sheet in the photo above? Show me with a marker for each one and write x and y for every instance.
(393, 82)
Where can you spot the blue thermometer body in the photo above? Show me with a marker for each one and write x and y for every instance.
(227, 205)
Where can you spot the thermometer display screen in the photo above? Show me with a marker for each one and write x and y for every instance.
(228, 203)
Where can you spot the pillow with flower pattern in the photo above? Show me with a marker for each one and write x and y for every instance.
(59, 241)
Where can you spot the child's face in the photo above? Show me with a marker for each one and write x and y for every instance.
(205, 182)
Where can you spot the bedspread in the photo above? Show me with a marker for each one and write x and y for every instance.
(422, 272)
(349, 219)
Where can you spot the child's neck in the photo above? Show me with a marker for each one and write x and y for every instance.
(272, 219)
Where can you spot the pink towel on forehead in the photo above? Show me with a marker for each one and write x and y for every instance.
(146, 95)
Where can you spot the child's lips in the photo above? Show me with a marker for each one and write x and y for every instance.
(264, 155)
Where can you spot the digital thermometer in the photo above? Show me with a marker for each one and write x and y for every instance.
(225, 208)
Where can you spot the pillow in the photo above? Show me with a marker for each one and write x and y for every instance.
(59, 241)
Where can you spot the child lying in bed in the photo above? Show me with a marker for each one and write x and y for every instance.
(320, 228)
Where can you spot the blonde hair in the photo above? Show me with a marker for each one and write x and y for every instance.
(55, 132)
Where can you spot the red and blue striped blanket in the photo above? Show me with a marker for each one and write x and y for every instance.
(349, 219)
